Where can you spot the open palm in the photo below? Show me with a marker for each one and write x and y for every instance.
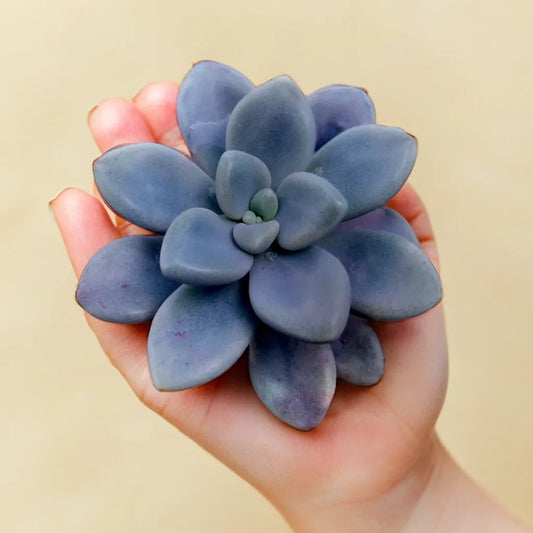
(370, 438)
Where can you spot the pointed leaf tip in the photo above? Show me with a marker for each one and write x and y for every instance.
(275, 123)
(368, 164)
(295, 380)
(150, 184)
(198, 334)
(198, 249)
(304, 294)
(207, 96)
(123, 282)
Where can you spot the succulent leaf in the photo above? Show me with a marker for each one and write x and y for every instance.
(275, 123)
(265, 204)
(123, 283)
(294, 379)
(391, 278)
(197, 334)
(368, 164)
(150, 184)
(309, 208)
(255, 238)
(304, 294)
(383, 219)
(338, 108)
(207, 96)
(358, 354)
(239, 176)
(198, 249)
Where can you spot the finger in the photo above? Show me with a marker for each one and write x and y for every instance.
(157, 102)
(85, 227)
(410, 206)
(415, 380)
(117, 121)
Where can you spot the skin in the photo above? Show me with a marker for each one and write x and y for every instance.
(375, 462)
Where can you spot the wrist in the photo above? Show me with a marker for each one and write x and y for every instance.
(452, 501)
(387, 510)
(434, 495)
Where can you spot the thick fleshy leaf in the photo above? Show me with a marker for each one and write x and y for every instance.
(265, 204)
(207, 96)
(275, 123)
(123, 283)
(358, 354)
(197, 334)
(368, 164)
(294, 379)
(150, 184)
(198, 249)
(309, 208)
(239, 177)
(383, 219)
(255, 238)
(304, 294)
(338, 108)
(391, 278)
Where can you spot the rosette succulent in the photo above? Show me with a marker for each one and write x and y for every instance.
(271, 237)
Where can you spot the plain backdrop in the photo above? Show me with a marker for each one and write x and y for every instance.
(79, 452)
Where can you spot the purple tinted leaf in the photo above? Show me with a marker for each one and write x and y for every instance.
(239, 177)
(198, 249)
(309, 208)
(207, 96)
(358, 354)
(338, 108)
(150, 184)
(368, 164)
(383, 219)
(198, 334)
(123, 283)
(294, 379)
(275, 123)
(391, 278)
(304, 294)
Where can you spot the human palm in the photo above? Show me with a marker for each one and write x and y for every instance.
(370, 439)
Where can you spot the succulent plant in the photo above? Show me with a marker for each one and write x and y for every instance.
(272, 236)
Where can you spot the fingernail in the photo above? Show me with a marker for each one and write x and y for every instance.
(91, 111)
(53, 199)
(139, 92)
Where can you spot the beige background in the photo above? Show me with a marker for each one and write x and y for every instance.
(79, 453)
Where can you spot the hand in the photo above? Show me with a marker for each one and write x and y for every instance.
(373, 456)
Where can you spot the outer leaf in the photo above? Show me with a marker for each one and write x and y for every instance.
(368, 164)
(294, 379)
(338, 108)
(391, 278)
(275, 123)
(207, 96)
(197, 334)
(358, 354)
(123, 283)
(309, 208)
(198, 249)
(239, 177)
(303, 294)
(150, 184)
(383, 219)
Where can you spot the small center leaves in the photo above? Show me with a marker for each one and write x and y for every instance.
(264, 203)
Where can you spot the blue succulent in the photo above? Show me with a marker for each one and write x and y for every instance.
(272, 236)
